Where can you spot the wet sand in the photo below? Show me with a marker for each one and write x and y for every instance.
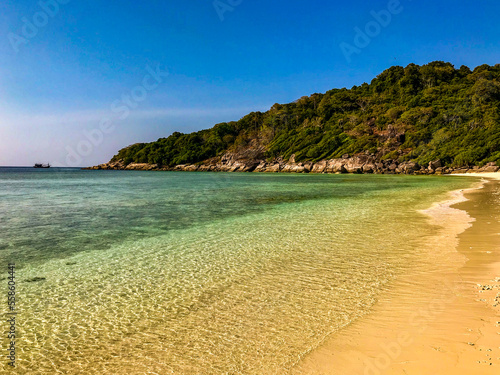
(444, 321)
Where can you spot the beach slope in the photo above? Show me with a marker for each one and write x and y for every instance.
(446, 321)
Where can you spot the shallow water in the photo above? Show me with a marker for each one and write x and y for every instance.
(201, 273)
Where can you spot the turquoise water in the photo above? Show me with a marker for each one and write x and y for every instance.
(201, 273)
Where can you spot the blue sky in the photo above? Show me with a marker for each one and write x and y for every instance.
(64, 64)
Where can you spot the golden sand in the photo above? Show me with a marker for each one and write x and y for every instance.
(446, 323)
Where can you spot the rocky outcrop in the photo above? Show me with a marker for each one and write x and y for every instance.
(253, 161)
(117, 165)
(490, 167)
(141, 167)
(433, 165)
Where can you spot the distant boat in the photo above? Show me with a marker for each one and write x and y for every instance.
(37, 165)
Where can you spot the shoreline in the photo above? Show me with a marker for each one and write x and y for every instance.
(253, 162)
(443, 321)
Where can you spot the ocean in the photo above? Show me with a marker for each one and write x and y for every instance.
(127, 272)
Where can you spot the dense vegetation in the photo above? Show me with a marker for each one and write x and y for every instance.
(419, 113)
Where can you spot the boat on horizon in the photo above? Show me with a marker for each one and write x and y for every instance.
(39, 165)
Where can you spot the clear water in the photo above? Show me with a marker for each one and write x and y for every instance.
(200, 273)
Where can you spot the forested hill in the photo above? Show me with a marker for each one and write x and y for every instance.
(416, 113)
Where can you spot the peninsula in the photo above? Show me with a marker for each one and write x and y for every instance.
(430, 119)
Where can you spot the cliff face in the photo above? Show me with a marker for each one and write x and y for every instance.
(417, 119)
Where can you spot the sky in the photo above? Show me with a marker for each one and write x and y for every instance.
(80, 80)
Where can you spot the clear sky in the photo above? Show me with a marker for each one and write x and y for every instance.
(81, 79)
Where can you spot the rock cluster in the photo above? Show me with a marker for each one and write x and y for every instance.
(253, 161)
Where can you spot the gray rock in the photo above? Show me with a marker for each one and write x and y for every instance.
(435, 164)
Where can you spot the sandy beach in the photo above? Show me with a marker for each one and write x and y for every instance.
(444, 321)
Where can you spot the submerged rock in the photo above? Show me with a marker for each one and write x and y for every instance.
(35, 279)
